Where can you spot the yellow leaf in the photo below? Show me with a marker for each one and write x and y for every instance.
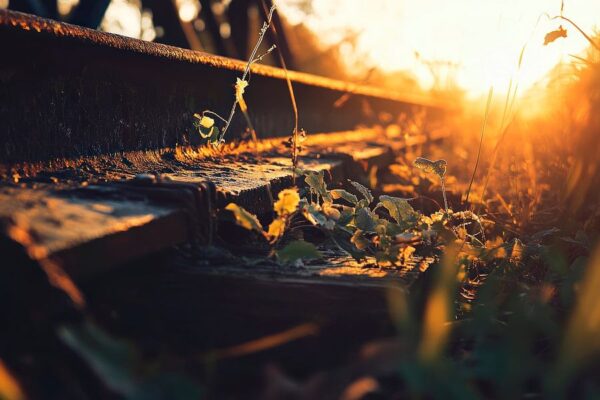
(435, 330)
(245, 219)
(240, 88)
(206, 126)
(359, 240)
(582, 340)
(276, 228)
(439, 308)
(205, 122)
(330, 211)
(288, 202)
(553, 35)
(9, 387)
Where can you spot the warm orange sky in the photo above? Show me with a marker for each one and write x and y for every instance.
(482, 37)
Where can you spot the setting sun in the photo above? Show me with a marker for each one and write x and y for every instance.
(475, 44)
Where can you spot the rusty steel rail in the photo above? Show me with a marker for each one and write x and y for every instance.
(68, 91)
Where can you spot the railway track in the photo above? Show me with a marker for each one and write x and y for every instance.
(102, 176)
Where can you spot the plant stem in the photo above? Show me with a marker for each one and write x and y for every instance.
(503, 130)
(444, 194)
(214, 114)
(261, 36)
(295, 144)
(487, 110)
(585, 35)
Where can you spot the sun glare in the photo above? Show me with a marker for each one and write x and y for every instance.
(472, 43)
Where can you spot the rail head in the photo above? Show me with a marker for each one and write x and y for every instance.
(38, 25)
(70, 91)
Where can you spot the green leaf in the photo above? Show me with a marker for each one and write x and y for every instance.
(118, 366)
(299, 171)
(297, 250)
(366, 193)
(437, 167)
(329, 225)
(342, 194)
(386, 256)
(214, 137)
(365, 220)
(362, 203)
(244, 218)
(341, 237)
(314, 215)
(316, 182)
(359, 240)
(345, 216)
(400, 210)
(207, 133)
(392, 229)
(112, 360)
(442, 232)
(388, 228)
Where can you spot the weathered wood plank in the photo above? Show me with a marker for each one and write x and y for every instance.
(86, 232)
(91, 227)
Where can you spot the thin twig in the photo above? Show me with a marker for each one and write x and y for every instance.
(503, 128)
(493, 162)
(261, 36)
(444, 193)
(214, 114)
(428, 198)
(487, 110)
(295, 144)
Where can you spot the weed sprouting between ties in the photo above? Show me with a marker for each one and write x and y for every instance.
(387, 232)
(206, 125)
